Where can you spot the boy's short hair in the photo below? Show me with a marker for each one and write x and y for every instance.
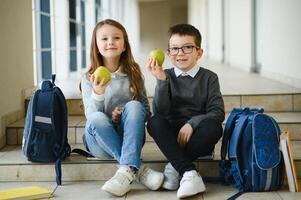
(186, 29)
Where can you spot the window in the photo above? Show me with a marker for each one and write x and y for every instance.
(72, 26)
(44, 44)
(97, 10)
(60, 43)
(83, 35)
(77, 34)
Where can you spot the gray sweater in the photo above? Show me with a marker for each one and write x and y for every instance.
(116, 94)
(190, 99)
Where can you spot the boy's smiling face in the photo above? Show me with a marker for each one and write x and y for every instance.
(184, 61)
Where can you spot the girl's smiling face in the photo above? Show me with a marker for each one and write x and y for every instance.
(110, 41)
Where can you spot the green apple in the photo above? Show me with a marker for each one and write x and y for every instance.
(158, 54)
(102, 73)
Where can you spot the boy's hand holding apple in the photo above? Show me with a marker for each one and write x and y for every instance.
(154, 64)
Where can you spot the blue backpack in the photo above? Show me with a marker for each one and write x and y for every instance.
(45, 133)
(251, 142)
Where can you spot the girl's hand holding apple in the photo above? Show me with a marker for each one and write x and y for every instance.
(99, 87)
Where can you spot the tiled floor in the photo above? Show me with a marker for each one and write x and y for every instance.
(91, 190)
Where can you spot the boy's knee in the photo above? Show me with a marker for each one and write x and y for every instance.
(157, 119)
(153, 123)
(212, 126)
(216, 127)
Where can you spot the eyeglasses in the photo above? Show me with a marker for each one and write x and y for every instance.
(173, 51)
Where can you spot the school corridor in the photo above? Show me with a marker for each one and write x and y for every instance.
(253, 46)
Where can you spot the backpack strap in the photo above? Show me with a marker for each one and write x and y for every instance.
(53, 78)
(82, 153)
(228, 131)
(235, 196)
(224, 165)
(58, 162)
(58, 171)
(66, 149)
(238, 130)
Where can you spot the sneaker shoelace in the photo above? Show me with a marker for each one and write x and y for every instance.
(146, 171)
(121, 177)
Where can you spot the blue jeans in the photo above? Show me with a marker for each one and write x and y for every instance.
(124, 141)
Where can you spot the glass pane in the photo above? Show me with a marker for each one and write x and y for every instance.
(45, 31)
(96, 15)
(73, 61)
(97, 10)
(84, 65)
(45, 6)
(46, 65)
(83, 36)
(72, 34)
(72, 9)
(82, 11)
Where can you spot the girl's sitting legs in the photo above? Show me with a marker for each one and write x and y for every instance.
(101, 138)
(124, 143)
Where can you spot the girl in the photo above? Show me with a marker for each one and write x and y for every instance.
(116, 111)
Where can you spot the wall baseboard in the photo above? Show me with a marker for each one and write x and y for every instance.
(281, 78)
(5, 121)
(11, 117)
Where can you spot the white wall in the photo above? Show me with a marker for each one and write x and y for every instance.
(131, 21)
(90, 24)
(239, 33)
(61, 39)
(281, 41)
(197, 16)
(214, 36)
(207, 16)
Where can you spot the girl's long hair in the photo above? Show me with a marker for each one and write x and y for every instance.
(129, 66)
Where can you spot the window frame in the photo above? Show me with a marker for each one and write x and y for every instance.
(38, 49)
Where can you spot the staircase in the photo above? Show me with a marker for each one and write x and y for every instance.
(280, 101)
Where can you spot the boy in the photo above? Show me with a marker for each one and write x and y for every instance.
(188, 110)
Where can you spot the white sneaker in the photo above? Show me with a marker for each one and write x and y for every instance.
(150, 178)
(120, 183)
(171, 178)
(191, 184)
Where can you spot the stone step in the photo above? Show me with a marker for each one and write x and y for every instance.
(270, 102)
(288, 121)
(15, 167)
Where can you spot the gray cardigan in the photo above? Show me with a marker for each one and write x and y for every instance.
(190, 99)
(116, 94)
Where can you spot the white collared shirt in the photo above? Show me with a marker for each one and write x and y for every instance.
(118, 72)
(192, 72)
